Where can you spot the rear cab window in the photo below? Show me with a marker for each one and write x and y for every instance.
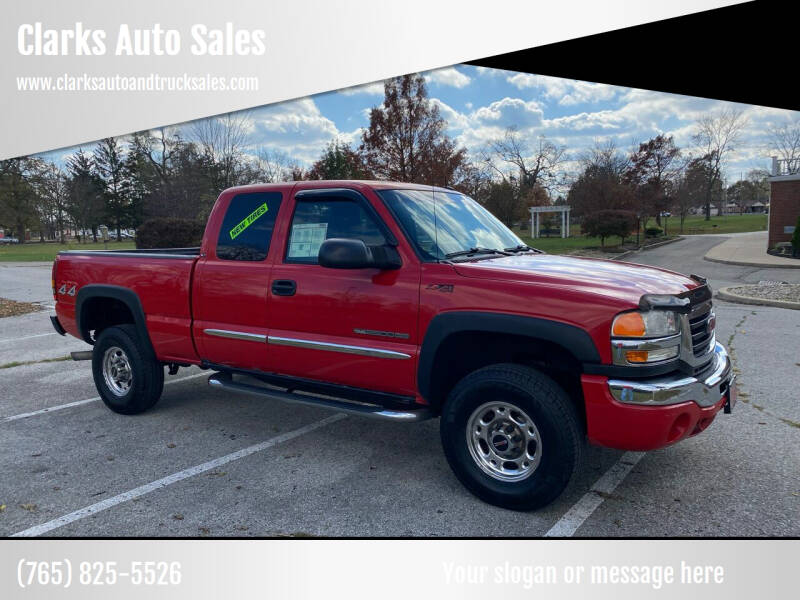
(247, 228)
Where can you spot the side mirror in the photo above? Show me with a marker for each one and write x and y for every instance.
(341, 253)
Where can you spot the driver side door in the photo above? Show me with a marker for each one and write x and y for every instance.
(352, 327)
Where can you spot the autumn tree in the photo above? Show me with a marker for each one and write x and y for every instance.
(338, 161)
(716, 137)
(406, 139)
(652, 172)
(601, 184)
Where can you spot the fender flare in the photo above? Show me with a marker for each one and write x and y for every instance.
(128, 297)
(572, 338)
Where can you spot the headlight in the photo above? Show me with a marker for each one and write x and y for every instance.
(651, 323)
(644, 337)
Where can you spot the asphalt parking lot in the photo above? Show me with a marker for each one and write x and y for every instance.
(209, 463)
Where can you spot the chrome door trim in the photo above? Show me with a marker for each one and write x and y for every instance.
(331, 347)
(236, 335)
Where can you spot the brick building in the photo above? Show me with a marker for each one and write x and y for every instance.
(784, 202)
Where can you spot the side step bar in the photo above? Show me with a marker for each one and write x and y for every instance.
(225, 381)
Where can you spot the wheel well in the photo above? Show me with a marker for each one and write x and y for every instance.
(99, 313)
(463, 352)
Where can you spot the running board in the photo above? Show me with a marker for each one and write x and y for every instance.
(225, 381)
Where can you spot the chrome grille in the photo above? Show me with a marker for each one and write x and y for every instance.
(697, 342)
(701, 336)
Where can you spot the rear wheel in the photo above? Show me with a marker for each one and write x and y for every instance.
(129, 379)
(511, 436)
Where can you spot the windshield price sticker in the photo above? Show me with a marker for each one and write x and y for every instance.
(306, 239)
(249, 220)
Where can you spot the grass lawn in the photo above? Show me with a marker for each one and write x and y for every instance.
(723, 224)
(36, 251)
(694, 224)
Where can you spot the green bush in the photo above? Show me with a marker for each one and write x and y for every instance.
(605, 223)
(169, 232)
(652, 232)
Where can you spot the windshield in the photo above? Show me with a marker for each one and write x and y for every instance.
(460, 223)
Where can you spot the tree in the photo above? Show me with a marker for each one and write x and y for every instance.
(716, 137)
(533, 167)
(339, 161)
(653, 168)
(784, 140)
(406, 139)
(112, 171)
(222, 140)
(605, 223)
(272, 165)
(85, 205)
(19, 201)
(601, 183)
(55, 199)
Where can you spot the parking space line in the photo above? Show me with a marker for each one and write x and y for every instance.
(174, 478)
(80, 402)
(569, 522)
(27, 337)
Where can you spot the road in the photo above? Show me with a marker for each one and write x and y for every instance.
(207, 463)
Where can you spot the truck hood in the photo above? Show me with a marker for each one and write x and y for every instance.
(625, 281)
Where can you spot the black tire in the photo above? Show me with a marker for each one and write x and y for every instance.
(558, 430)
(147, 374)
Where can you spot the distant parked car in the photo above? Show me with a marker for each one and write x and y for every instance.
(9, 240)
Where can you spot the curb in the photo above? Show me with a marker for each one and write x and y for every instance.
(724, 294)
(644, 248)
(742, 263)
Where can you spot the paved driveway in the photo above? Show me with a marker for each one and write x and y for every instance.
(204, 462)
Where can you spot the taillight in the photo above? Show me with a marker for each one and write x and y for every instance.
(53, 279)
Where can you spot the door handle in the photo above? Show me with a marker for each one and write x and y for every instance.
(284, 287)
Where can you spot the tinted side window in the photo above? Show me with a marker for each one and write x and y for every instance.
(247, 227)
(315, 221)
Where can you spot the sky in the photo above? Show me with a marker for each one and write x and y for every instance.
(479, 103)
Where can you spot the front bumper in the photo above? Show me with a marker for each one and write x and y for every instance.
(652, 413)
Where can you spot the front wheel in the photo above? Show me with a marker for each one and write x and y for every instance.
(127, 377)
(511, 436)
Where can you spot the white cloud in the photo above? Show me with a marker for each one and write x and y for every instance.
(371, 89)
(296, 127)
(449, 76)
(567, 92)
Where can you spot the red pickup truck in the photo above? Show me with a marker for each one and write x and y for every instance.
(406, 302)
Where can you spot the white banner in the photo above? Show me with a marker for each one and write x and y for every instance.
(76, 72)
(400, 569)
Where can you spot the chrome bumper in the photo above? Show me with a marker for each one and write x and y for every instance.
(676, 388)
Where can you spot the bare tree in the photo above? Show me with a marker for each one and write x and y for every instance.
(273, 165)
(55, 198)
(784, 140)
(538, 166)
(223, 139)
(716, 137)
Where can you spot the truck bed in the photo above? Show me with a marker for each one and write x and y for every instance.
(161, 278)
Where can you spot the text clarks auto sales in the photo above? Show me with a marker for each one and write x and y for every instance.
(34, 39)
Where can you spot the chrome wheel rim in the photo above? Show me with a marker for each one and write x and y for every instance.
(117, 371)
(503, 441)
